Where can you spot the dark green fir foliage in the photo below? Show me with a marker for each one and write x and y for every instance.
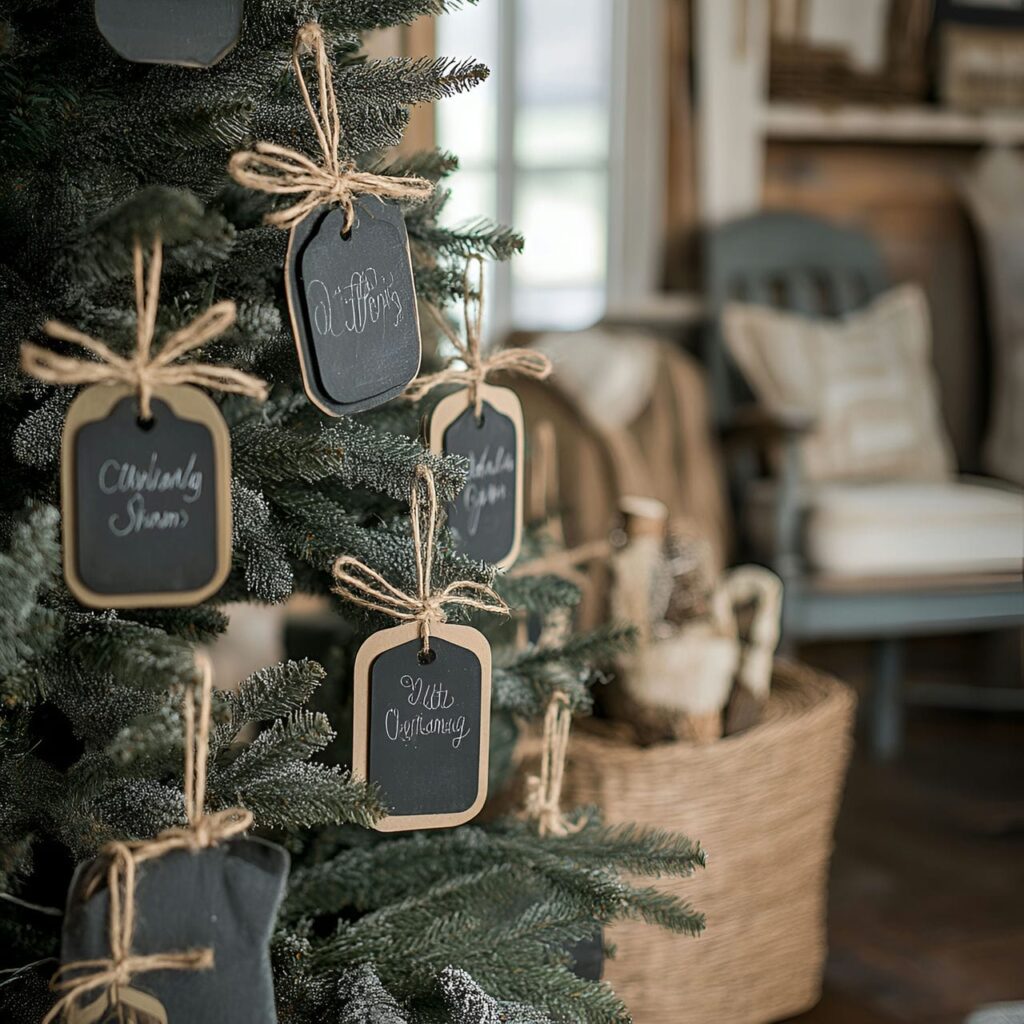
(470, 926)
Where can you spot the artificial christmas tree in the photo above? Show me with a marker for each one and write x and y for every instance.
(100, 155)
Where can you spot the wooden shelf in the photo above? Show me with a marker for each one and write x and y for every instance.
(909, 125)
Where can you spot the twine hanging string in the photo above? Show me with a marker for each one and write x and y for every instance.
(280, 171)
(544, 791)
(357, 582)
(144, 371)
(112, 976)
(477, 368)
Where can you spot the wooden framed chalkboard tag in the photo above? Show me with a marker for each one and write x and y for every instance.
(352, 303)
(145, 457)
(146, 504)
(485, 424)
(348, 273)
(196, 33)
(487, 515)
(422, 689)
(422, 724)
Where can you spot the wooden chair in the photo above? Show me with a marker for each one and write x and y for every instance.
(799, 263)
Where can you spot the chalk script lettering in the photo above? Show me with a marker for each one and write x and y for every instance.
(137, 481)
(486, 485)
(430, 698)
(367, 298)
(138, 519)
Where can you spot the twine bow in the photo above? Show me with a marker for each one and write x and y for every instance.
(278, 170)
(544, 791)
(358, 583)
(477, 367)
(144, 371)
(113, 975)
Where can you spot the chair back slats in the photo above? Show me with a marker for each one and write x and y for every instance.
(790, 261)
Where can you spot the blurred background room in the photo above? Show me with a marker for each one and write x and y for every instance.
(775, 250)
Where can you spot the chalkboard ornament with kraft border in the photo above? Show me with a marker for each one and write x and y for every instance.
(484, 423)
(422, 713)
(145, 457)
(348, 271)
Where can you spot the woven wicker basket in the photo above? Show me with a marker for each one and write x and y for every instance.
(763, 804)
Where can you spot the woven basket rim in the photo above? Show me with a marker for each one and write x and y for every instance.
(816, 692)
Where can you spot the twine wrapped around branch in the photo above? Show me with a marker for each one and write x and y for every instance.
(477, 367)
(358, 583)
(144, 371)
(544, 791)
(111, 976)
(280, 171)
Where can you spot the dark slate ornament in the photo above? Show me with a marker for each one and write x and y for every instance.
(146, 507)
(352, 302)
(588, 957)
(195, 33)
(487, 515)
(422, 728)
(224, 898)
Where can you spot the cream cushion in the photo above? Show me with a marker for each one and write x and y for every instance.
(867, 379)
(905, 528)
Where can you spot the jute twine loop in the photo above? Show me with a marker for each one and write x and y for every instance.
(357, 582)
(477, 368)
(277, 170)
(144, 371)
(112, 975)
(544, 791)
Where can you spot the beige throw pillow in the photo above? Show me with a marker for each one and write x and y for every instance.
(867, 379)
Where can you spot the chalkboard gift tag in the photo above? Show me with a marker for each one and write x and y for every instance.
(487, 514)
(422, 726)
(224, 898)
(352, 302)
(146, 506)
(196, 33)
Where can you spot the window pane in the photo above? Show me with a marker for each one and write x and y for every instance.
(473, 195)
(467, 124)
(563, 215)
(562, 82)
(563, 308)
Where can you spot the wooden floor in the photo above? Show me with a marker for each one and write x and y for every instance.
(927, 898)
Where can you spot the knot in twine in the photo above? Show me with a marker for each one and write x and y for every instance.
(477, 367)
(280, 171)
(544, 791)
(113, 975)
(144, 371)
(358, 583)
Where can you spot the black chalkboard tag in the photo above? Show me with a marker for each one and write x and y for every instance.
(352, 302)
(487, 515)
(588, 957)
(196, 33)
(422, 729)
(224, 898)
(146, 507)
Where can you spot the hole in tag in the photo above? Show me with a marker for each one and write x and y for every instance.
(427, 657)
(145, 425)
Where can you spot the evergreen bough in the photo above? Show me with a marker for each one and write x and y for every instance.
(472, 925)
